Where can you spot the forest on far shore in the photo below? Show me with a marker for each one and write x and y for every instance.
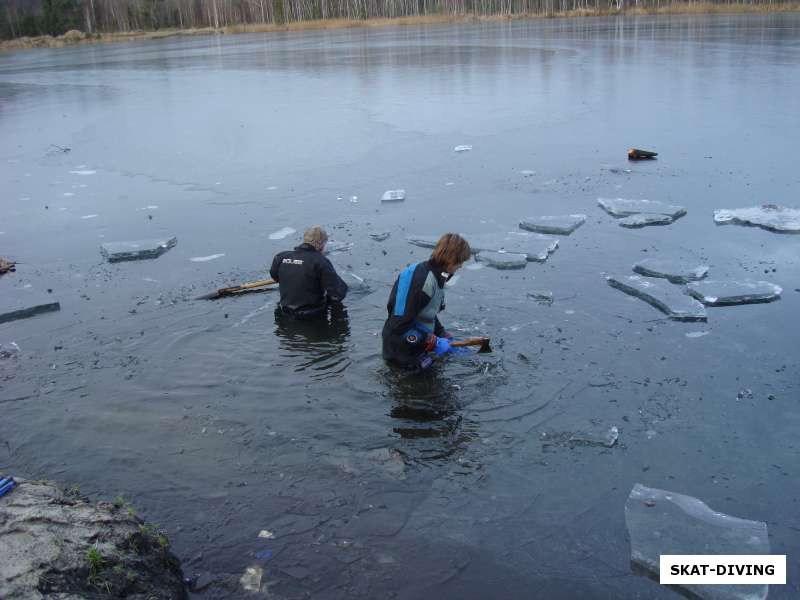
(54, 17)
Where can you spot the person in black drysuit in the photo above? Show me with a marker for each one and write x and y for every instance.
(308, 282)
(412, 329)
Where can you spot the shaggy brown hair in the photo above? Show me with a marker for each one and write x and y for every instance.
(316, 237)
(450, 250)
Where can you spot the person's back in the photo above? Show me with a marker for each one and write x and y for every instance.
(307, 280)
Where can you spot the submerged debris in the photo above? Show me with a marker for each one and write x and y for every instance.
(393, 196)
(667, 298)
(727, 293)
(535, 246)
(771, 217)
(558, 225)
(676, 271)
(622, 207)
(502, 260)
(13, 311)
(7, 266)
(662, 522)
(637, 154)
(142, 249)
(644, 219)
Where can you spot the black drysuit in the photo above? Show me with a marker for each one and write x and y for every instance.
(308, 281)
(416, 297)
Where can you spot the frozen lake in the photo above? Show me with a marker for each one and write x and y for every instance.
(217, 421)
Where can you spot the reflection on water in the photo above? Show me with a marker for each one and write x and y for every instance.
(316, 345)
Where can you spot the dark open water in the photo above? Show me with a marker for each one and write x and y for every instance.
(217, 422)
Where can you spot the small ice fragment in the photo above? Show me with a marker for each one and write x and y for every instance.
(696, 334)
(450, 183)
(83, 172)
(282, 233)
(251, 580)
(541, 296)
(393, 196)
(89, 216)
(354, 199)
(569, 312)
(527, 173)
(380, 236)
(266, 534)
(206, 258)
(149, 207)
(622, 207)
(217, 183)
(140, 249)
(558, 225)
(676, 271)
(272, 187)
(463, 148)
(68, 194)
(643, 220)
(596, 436)
(727, 293)
(502, 260)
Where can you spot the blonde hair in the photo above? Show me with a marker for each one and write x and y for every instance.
(315, 236)
(450, 250)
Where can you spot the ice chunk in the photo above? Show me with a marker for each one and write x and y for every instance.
(334, 246)
(620, 207)
(90, 216)
(726, 293)
(206, 258)
(527, 173)
(119, 251)
(558, 225)
(643, 220)
(380, 236)
(667, 298)
(597, 436)
(677, 271)
(83, 172)
(463, 148)
(12, 310)
(771, 217)
(393, 196)
(697, 334)
(282, 233)
(663, 522)
(355, 283)
(535, 246)
(502, 260)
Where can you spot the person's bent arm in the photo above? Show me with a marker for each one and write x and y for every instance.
(273, 270)
(334, 286)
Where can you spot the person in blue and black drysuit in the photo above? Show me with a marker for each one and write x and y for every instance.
(412, 331)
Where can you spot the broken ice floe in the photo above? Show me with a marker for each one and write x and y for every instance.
(68, 194)
(380, 236)
(697, 334)
(141, 249)
(662, 522)
(89, 216)
(726, 293)
(13, 310)
(667, 298)
(621, 207)
(594, 435)
(771, 217)
(535, 246)
(281, 233)
(527, 173)
(558, 225)
(148, 207)
(643, 220)
(206, 258)
(676, 271)
(83, 172)
(334, 246)
(502, 260)
(393, 196)
(463, 148)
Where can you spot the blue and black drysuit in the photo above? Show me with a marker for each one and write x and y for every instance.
(417, 296)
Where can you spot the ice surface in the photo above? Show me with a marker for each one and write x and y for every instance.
(644, 219)
(18, 309)
(119, 251)
(726, 293)
(380, 236)
(621, 207)
(502, 260)
(393, 196)
(665, 297)
(463, 148)
(676, 271)
(771, 217)
(282, 233)
(535, 246)
(558, 225)
(662, 522)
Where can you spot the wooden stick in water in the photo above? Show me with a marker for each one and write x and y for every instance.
(229, 291)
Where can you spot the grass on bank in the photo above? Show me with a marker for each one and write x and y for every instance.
(75, 37)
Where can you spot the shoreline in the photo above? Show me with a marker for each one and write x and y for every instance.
(75, 38)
